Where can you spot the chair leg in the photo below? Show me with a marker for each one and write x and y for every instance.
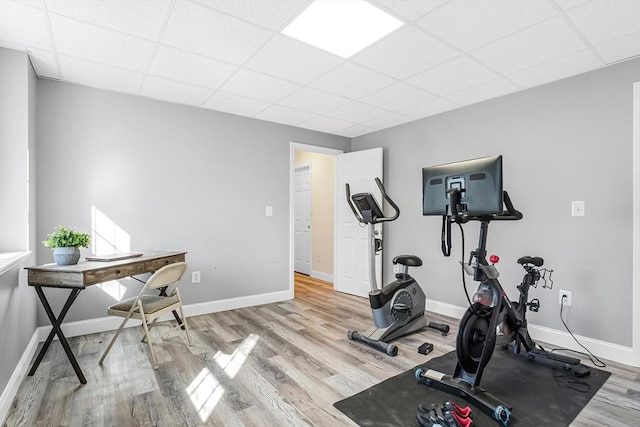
(146, 331)
(113, 340)
(186, 327)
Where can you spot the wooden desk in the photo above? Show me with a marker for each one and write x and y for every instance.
(78, 277)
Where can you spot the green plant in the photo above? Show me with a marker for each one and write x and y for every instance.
(65, 238)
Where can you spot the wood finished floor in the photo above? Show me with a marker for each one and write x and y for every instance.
(281, 364)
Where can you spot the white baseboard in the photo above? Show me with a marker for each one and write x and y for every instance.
(555, 338)
(321, 276)
(110, 323)
(11, 389)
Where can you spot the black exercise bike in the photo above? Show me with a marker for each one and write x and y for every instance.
(491, 312)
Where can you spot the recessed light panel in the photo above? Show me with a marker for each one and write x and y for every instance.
(341, 27)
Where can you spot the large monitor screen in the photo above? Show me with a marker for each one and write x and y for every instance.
(477, 182)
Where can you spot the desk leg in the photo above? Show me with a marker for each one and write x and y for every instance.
(163, 293)
(55, 323)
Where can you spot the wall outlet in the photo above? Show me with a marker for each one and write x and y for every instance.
(577, 208)
(195, 277)
(567, 300)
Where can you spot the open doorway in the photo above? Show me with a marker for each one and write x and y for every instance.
(312, 211)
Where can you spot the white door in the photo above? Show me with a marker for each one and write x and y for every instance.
(302, 212)
(351, 272)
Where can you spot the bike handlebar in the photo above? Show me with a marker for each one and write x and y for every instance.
(375, 219)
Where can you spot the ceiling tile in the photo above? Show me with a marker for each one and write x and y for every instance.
(119, 15)
(397, 97)
(274, 15)
(601, 21)
(258, 86)
(45, 63)
(351, 80)
(168, 90)
(430, 108)
(471, 24)
(199, 29)
(190, 68)
(292, 60)
(325, 124)
(101, 45)
(493, 89)
(459, 73)
(279, 114)
(24, 25)
(537, 44)
(408, 9)
(356, 130)
(556, 69)
(98, 75)
(357, 112)
(618, 49)
(235, 104)
(570, 4)
(388, 120)
(404, 53)
(312, 100)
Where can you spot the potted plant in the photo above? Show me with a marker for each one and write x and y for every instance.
(65, 244)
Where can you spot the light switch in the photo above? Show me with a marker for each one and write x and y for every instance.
(269, 211)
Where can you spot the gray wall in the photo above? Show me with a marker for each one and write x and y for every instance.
(17, 136)
(564, 141)
(174, 178)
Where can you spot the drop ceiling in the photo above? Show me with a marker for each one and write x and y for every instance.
(229, 55)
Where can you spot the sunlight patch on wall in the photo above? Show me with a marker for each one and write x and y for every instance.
(205, 392)
(231, 363)
(108, 238)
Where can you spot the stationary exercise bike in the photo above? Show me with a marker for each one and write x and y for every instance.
(397, 308)
(491, 312)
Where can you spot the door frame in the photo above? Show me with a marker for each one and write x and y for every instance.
(293, 146)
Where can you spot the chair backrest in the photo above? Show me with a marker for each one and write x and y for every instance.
(167, 275)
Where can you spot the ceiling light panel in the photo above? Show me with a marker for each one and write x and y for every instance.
(341, 27)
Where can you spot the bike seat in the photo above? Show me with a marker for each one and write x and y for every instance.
(535, 260)
(408, 260)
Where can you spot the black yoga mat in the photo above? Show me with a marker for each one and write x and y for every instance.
(539, 395)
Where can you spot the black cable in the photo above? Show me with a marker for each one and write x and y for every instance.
(597, 362)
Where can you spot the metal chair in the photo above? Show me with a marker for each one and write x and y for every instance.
(148, 308)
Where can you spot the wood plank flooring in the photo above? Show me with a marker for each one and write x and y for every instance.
(281, 364)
